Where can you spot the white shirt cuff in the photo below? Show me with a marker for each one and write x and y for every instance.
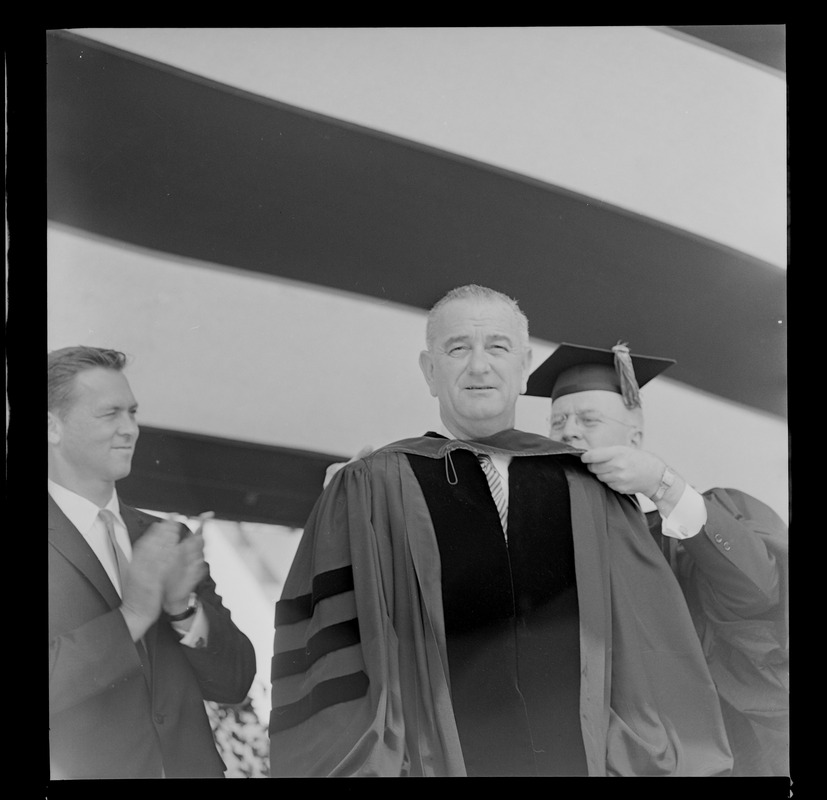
(196, 636)
(687, 517)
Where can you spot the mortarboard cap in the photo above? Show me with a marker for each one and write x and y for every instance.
(576, 368)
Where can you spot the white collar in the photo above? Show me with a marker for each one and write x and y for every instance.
(499, 460)
(646, 505)
(81, 512)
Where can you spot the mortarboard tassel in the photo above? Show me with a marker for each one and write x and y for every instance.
(626, 372)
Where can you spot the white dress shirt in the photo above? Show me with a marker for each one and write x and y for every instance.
(500, 461)
(687, 517)
(83, 514)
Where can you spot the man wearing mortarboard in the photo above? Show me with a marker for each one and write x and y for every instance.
(728, 549)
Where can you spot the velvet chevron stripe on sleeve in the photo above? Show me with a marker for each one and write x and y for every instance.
(329, 609)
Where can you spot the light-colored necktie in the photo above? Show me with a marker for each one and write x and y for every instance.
(496, 486)
(122, 563)
(118, 555)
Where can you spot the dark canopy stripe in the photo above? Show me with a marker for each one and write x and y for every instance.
(189, 473)
(149, 155)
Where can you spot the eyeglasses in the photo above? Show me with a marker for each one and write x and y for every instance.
(584, 419)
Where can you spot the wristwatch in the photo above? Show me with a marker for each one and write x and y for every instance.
(192, 607)
(666, 480)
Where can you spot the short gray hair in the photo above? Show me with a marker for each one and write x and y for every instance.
(473, 291)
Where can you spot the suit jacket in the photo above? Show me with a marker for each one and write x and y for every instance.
(734, 575)
(112, 714)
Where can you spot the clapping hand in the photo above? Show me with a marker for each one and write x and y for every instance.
(153, 556)
(185, 570)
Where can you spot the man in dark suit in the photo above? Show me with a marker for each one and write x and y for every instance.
(138, 636)
(727, 549)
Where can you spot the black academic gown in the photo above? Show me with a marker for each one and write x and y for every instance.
(734, 575)
(511, 616)
(367, 674)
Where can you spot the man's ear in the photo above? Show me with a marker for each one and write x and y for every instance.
(55, 428)
(526, 369)
(426, 364)
(636, 437)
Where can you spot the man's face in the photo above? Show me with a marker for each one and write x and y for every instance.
(478, 367)
(595, 418)
(94, 441)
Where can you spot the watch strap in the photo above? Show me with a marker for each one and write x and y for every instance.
(191, 609)
(666, 481)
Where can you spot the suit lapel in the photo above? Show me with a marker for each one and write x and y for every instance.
(655, 524)
(136, 522)
(69, 541)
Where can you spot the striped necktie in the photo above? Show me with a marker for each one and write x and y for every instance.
(118, 556)
(495, 484)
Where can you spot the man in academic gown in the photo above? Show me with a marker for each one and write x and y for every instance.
(728, 549)
(450, 615)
